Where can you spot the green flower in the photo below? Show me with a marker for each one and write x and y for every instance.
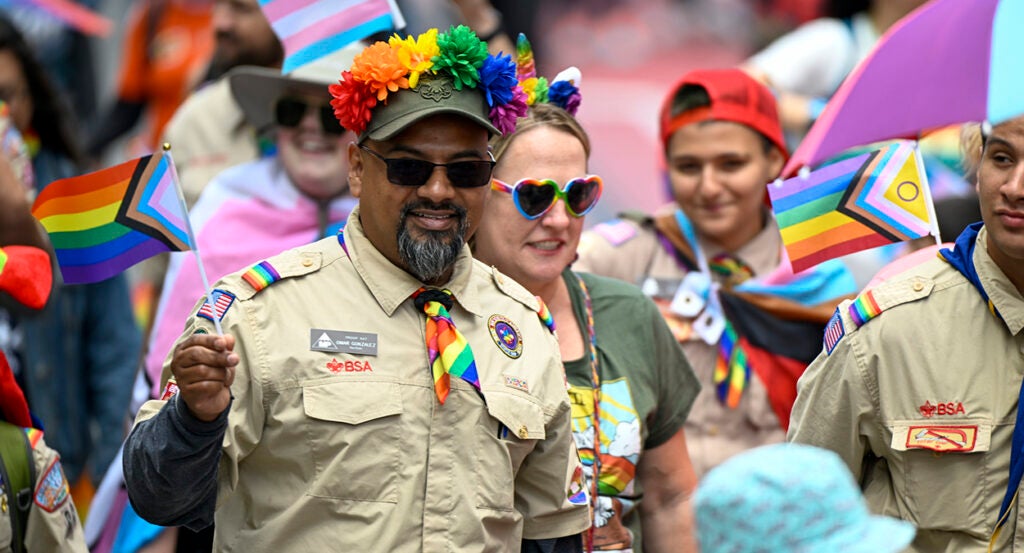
(541, 90)
(461, 56)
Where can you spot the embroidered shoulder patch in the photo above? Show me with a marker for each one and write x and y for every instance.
(261, 275)
(52, 488)
(864, 308)
(834, 332)
(616, 232)
(222, 300)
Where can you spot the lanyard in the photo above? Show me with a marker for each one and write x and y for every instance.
(595, 383)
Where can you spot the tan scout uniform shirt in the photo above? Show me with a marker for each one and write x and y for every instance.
(347, 452)
(921, 400)
(713, 431)
(53, 524)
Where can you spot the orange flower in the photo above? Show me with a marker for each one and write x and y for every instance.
(378, 67)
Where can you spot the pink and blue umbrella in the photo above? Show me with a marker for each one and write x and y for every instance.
(948, 62)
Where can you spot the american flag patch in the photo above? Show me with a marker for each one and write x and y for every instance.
(616, 232)
(834, 332)
(221, 302)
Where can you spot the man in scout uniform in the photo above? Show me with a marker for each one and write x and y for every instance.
(361, 396)
(918, 386)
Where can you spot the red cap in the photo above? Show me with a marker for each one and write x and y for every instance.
(735, 96)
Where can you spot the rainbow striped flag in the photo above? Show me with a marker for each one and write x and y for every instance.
(311, 29)
(104, 222)
(870, 200)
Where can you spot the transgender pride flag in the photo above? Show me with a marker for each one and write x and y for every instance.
(104, 222)
(311, 29)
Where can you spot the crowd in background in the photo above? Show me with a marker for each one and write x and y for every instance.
(117, 97)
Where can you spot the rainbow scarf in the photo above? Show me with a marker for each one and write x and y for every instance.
(827, 282)
(448, 350)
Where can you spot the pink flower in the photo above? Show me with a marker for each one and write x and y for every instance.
(504, 117)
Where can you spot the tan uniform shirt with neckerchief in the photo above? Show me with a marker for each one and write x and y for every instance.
(53, 524)
(341, 451)
(714, 432)
(921, 402)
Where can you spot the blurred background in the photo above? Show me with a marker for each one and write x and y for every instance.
(630, 53)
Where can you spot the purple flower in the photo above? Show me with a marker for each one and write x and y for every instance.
(504, 117)
(497, 79)
(565, 95)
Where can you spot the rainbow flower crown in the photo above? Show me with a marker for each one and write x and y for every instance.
(509, 87)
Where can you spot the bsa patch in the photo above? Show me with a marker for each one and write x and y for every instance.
(222, 300)
(577, 491)
(516, 382)
(834, 332)
(506, 335)
(943, 438)
(348, 366)
(617, 232)
(170, 390)
(52, 488)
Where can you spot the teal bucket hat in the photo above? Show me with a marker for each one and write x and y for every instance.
(790, 498)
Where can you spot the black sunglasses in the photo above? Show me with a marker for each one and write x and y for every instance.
(288, 112)
(415, 172)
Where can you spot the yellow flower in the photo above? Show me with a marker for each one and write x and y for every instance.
(529, 86)
(415, 54)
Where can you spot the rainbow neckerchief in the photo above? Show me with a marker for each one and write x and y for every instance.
(545, 315)
(448, 350)
(811, 287)
(732, 369)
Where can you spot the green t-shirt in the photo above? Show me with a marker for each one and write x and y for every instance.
(647, 389)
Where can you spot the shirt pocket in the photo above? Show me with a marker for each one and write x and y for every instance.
(944, 474)
(506, 433)
(353, 430)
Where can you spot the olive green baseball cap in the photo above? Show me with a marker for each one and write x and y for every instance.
(434, 95)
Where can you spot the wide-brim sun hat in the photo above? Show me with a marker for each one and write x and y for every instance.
(790, 498)
(257, 89)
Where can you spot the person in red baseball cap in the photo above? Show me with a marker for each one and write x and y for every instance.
(714, 263)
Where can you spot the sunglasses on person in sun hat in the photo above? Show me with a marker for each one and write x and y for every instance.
(535, 197)
(413, 172)
(288, 112)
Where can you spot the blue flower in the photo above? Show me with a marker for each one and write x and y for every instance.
(565, 95)
(498, 79)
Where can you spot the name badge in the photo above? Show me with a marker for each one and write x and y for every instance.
(342, 341)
